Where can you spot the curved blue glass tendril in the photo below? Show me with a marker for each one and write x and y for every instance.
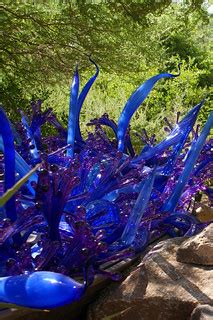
(34, 151)
(182, 221)
(41, 289)
(111, 124)
(177, 134)
(177, 148)
(81, 99)
(9, 162)
(172, 202)
(138, 210)
(133, 103)
(73, 110)
(22, 168)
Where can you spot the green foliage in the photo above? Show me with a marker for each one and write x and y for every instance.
(42, 41)
(111, 92)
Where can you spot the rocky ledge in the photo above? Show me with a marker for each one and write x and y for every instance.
(174, 281)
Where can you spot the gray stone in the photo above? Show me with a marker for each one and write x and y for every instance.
(202, 312)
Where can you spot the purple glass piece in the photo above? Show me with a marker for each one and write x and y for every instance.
(177, 148)
(176, 136)
(32, 146)
(102, 214)
(185, 223)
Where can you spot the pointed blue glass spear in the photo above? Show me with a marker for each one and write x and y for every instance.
(136, 215)
(134, 102)
(194, 152)
(9, 162)
(22, 168)
(81, 99)
(73, 109)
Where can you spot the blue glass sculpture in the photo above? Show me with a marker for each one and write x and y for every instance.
(69, 204)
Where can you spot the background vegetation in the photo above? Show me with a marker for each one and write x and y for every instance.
(130, 41)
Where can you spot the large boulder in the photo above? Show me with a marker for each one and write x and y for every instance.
(198, 249)
(159, 288)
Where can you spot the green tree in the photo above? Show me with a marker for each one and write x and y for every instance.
(42, 41)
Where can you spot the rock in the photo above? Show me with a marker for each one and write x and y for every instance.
(160, 288)
(198, 249)
(203, 212)
(202, 312)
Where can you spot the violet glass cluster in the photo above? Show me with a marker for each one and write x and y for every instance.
(91, 201)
